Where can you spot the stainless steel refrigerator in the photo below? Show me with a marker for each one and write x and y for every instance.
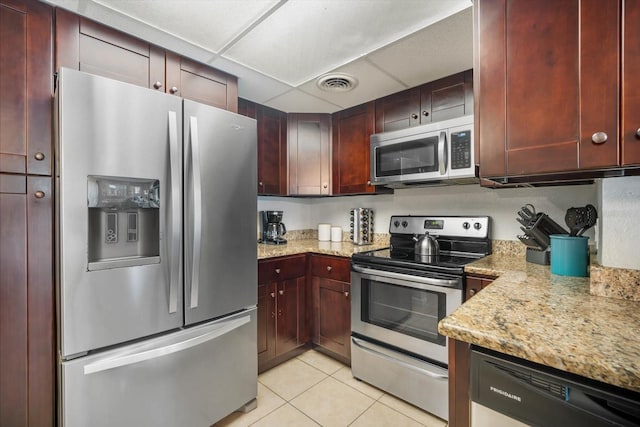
(156, 256)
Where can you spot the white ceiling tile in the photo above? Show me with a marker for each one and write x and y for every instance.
(372, 84)
(205, 23)
(306, 38)
(251, 84)
(441, 49)
(297, 101)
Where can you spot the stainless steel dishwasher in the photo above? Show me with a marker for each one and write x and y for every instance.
(511, 392)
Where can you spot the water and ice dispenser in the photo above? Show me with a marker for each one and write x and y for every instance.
(124, 222)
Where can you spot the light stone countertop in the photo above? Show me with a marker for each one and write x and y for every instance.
(552, 320)
(293, 247)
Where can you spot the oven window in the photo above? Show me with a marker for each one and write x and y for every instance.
(409, 311)
(406, 158)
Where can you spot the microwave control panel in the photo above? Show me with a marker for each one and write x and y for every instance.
(461, 149)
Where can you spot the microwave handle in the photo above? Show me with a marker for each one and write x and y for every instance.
(442, 152)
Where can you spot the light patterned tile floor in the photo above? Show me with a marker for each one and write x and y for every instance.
(316, 390)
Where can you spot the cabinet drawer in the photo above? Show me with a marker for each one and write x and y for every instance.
(284, 268)
(331, 268)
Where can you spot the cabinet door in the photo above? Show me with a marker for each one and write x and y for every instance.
(400, 110)
(309, 154)
(332, 315)
(88, 46)
(26, 302)
(26, 87)
(352, 129)
(266, 322)
(631, 84)
(541, 99)
(290, 304)
(272, 151)
(198, 82)
(447, 98)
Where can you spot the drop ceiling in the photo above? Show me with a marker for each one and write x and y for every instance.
(278, 48)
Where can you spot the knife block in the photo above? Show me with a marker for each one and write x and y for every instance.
(538, 257)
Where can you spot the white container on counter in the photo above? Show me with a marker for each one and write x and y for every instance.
(336, 234)
(324, 232)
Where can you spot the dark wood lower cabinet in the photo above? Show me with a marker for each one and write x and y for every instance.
(27, 359)
(331, 299)
(474, 284)
(282, 300)
(459, 402)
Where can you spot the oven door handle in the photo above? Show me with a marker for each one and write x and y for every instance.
(448, 283)
(359, 343)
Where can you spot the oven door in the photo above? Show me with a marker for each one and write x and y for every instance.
(403, 310)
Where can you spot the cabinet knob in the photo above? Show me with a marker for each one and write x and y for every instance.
(40, 156)
(368, 182)
(277, 271)
(599, 137)
(472, 292)
(173, 90)
(279, 312)
(638, 133)
(414, 116)
(425, 113)
(260, 184)
(281, 291)
(39, 194)
(325, 185)
(157, 85)
(329, 268)
(273, 315)
(273, 294)
(346, 294)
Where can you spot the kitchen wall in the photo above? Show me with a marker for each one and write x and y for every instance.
(619, 231)
(501, 205)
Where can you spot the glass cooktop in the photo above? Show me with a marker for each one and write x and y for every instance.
(444, 262)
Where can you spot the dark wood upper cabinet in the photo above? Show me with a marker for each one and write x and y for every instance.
(631, 83)
(443, 99)
(26, 86)
(272, 146)
(351, 130)
(547, 86)
(89, 46)
(309, 151)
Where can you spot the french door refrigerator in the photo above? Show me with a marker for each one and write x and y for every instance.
(156, 256)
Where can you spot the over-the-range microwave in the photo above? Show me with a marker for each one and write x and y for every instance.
(433, 153)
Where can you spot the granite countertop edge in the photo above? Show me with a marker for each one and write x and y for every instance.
(529, 313)
(296, 247)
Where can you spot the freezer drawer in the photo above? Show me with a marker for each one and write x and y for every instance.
(193, 377)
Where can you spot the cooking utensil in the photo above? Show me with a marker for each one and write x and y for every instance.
(580, 220)
(426, 246)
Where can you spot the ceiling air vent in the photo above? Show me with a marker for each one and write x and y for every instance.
(337, 82)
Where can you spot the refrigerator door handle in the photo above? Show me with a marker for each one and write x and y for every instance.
(130, 359)
(197, 210)
(174, 161)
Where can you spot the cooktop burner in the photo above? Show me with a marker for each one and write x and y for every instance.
(461, 240)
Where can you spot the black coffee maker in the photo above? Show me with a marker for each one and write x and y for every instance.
(272, 228)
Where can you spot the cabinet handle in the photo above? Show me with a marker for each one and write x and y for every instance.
(472, 292)
(638, 133)
(173, 90)
(425, 113)
(599, 137)
(329, 268)
(277, 271)
(414, 116)
(39, 194)
(40, 156)
(281, 291)
(346, 294)
(273, 294)
(157, 85)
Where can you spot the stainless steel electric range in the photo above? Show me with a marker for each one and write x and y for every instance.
(398, 298)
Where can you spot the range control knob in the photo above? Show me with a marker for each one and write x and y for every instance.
(466, 225)
(405, 224)
(477, 225)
